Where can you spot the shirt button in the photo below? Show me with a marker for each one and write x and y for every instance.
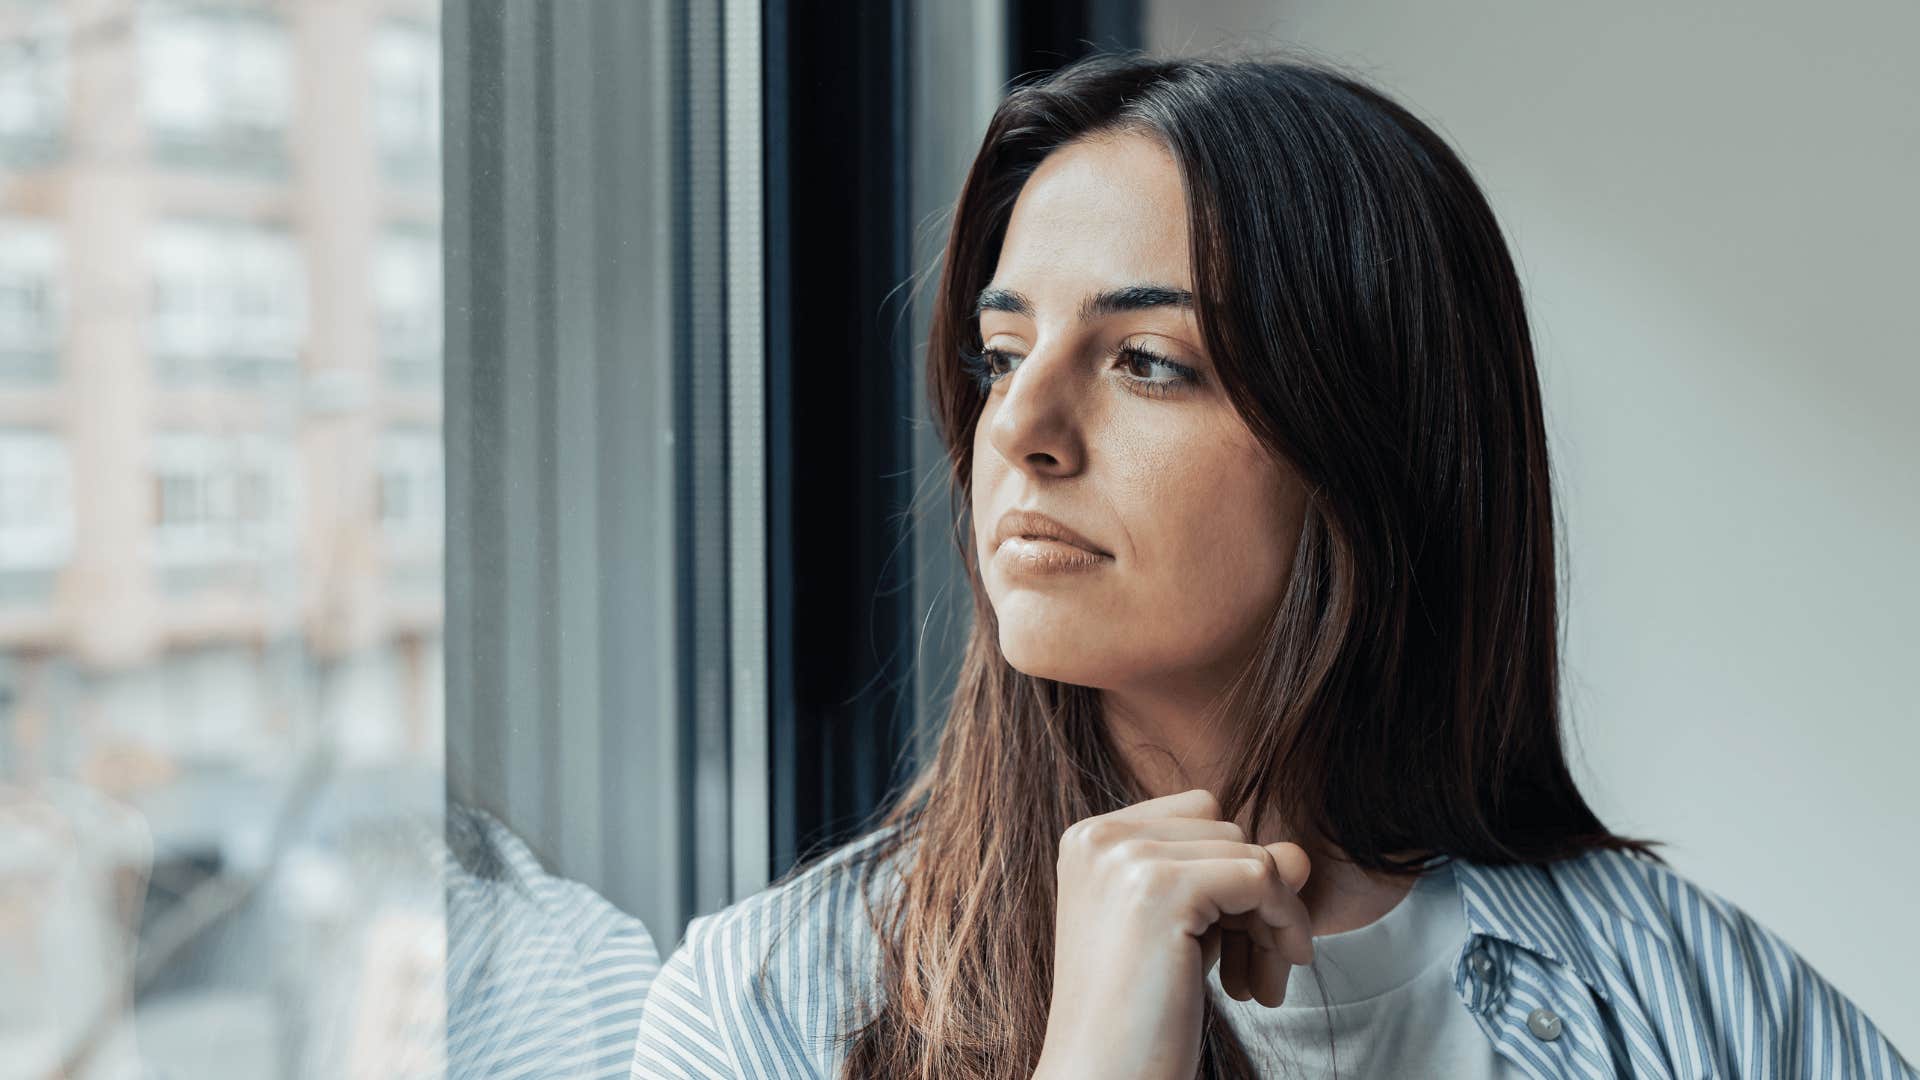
(1481, 965)
(1544, 1023)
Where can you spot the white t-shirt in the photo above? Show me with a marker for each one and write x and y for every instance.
(1384, 1003)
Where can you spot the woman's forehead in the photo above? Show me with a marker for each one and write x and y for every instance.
(1097, 215)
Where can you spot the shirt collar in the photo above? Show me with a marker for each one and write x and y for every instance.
(1527, 906)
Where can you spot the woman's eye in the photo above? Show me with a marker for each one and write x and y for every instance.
(1142, 363)
(1143, 369)
(1146, 361)
(986, 366)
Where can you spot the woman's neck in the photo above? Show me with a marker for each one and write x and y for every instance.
(1169, 759)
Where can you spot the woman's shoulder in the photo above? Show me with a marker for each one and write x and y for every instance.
(815, 915)
(1616, 900)
(1640, 930)
(827, 885)
(1656, 898)
(1640, 889)
(780, 974)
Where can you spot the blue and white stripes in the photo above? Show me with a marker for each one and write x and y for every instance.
(1605, 965)
(544, 977)
(763, 988)
(1651, 976)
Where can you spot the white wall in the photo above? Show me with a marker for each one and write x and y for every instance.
(1716, 211)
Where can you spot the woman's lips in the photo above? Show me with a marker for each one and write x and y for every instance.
(1042, 555)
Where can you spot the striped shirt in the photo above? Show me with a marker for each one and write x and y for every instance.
(1603, 965)
(545, 978)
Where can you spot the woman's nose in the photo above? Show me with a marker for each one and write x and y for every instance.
(1035, 424)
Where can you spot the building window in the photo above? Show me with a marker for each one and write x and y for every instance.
(229, 303)
(36, 501)
(30, 298)
(410, 492)
(33, 83)
(220, 702)
(407, 305)
(221, 498)
(405, 64)
(217, 86)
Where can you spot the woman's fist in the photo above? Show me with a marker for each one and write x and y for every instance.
(1150, 897)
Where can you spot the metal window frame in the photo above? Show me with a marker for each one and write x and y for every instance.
(702, 606)
(589, 664)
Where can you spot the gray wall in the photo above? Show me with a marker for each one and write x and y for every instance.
(1713, 210)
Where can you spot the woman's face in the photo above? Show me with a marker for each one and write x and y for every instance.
(1142, 455)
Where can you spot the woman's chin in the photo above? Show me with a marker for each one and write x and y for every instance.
(1045, 659)
(1068, 675)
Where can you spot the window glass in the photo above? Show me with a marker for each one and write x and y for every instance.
(33, 79)
(30, 298)
(216, 84)
(221, 540)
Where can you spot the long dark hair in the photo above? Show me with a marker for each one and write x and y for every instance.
(1359, 304)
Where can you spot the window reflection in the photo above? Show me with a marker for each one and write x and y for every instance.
(221, 551)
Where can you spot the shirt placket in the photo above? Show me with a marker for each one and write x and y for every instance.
(1538, 1016)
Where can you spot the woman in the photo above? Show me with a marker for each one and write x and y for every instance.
(1254, 763)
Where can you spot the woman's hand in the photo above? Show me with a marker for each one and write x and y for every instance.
(1150, 897)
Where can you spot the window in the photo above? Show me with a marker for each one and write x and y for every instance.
(405, 62)
(221, 671)
(683, 426)
(36, 514)
(33, 82)
(406, 285)
(411, 507)
(223, 498)
(31, 313)
(229, 303)
(217, 85)
(296, 411)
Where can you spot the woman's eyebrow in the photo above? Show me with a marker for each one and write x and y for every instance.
(1106, 302)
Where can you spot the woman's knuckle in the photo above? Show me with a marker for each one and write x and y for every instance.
(1076, 836)
(1149, 878)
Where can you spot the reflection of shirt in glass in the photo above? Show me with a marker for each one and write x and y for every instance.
(545, 978)
(1383, 1003)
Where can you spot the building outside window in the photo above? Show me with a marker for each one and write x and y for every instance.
(405, 62)
(411, 497)
(407, 298)
(36, 513)
(229, 303)
(223, 498)
(221, 738)
(33, 81)
(217, 85)
(31, 302)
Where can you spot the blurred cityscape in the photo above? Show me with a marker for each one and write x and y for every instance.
(220, 538)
